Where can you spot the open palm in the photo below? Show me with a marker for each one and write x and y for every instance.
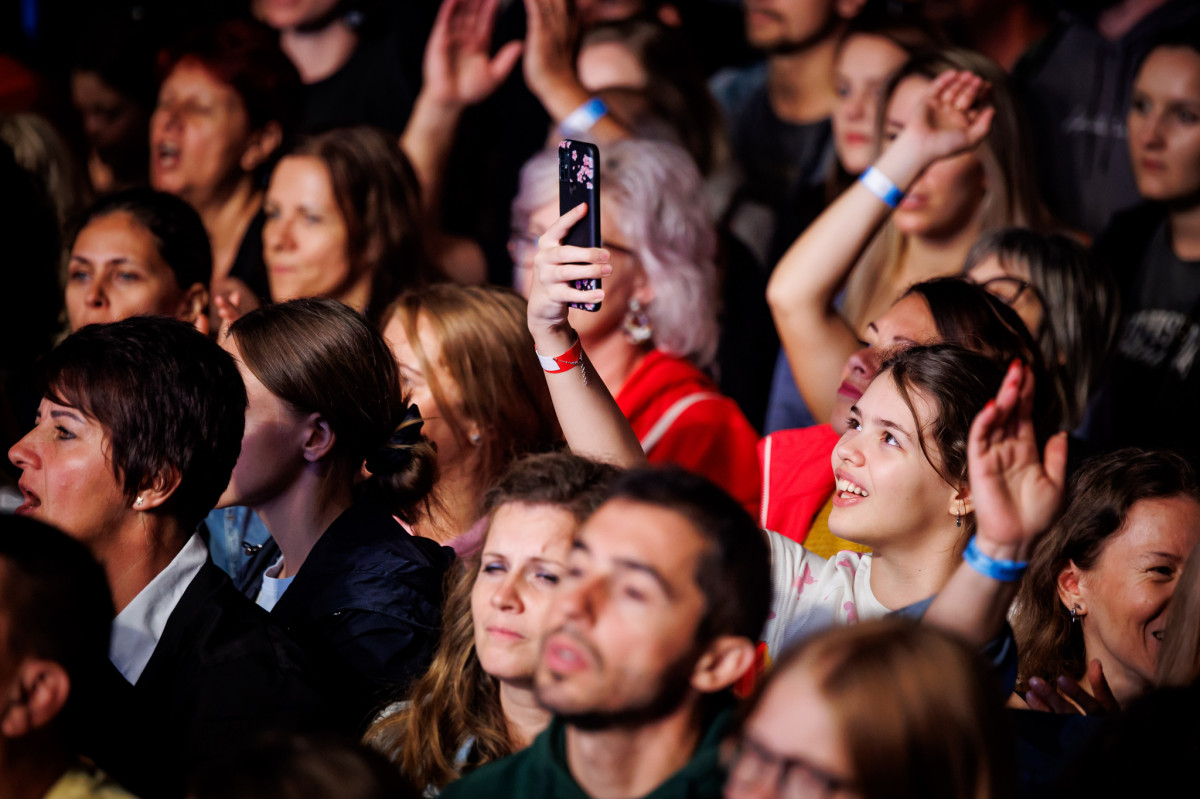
(1016, 492)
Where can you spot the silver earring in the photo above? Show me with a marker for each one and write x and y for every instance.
(638, 327)
(958, 520)
(1074, 613)
(476, 438)
(139, 502)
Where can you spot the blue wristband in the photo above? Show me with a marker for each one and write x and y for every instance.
(1006, 571)
(584, 117)
(881, 186)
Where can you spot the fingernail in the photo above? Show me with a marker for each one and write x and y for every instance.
(607, 270)
(1016, 362)
(987, 406)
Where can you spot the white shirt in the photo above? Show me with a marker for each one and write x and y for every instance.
(272, 587)
(809, 593)
(138, 627)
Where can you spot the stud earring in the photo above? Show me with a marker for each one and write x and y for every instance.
(476, 438)
(139, 502)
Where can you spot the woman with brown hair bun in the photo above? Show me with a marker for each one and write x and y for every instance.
(340, 573)
(476, 704)
(468, 360)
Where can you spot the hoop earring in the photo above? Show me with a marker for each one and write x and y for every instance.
(638, 327)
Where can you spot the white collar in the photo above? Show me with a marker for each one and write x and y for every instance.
(138, 627)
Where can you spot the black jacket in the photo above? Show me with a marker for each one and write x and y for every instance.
(221, 674)
(366, 605)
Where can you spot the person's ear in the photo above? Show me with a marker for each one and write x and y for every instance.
(262, 143)
(1070, 589)
(723, 663)
(319, 438)
(194, 304)
(643, 292)
(960, 502)
(37, 694)
(157, 489)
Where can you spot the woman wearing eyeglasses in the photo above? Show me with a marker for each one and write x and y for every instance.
(655, 333)
(831, 720)
(1069, 304)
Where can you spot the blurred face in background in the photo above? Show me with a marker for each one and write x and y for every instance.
(862, 68)
(1164, 126)
(200, 137)
(305, 243)
(286, 14)
(948, 196)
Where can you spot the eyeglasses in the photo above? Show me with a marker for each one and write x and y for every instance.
(748, 763)
(1009, 289)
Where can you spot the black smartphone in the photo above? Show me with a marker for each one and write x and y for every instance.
(579, 182)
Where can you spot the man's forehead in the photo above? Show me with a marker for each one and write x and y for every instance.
(627, 530)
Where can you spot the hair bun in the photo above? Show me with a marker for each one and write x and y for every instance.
(396, 453)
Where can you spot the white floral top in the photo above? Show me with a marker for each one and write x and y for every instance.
(809, 593)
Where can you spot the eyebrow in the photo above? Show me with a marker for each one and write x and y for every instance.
(887, 424)
(634, 565)
(66, 415)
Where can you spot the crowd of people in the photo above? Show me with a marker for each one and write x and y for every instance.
(336, 471)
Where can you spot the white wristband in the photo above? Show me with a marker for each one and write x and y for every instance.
(584, 117)
(881, 186)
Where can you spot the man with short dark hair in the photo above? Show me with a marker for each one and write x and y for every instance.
(55, 616)
(666, 594)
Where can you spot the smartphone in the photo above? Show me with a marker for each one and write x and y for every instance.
(579, 182)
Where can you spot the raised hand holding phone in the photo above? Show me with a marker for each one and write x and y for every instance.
(579, 182)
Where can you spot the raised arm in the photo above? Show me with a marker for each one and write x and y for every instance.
(1016, 496)
(458, 71)
(549, 66)
(591, 420)
(802, 289)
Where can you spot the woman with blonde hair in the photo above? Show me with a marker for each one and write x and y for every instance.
(476, 704)
(468, 360)
(954, 168)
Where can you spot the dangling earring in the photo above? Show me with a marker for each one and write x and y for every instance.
(638, 327)
(1074, 613)
(958, 520)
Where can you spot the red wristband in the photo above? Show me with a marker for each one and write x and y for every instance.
(566, 362)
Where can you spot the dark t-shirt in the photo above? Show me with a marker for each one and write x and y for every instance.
(379, 84)
(1154, 385)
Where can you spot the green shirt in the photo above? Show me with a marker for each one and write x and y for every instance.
(541, 771)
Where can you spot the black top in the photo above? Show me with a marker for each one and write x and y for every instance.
(366, 605)
(1154, 385)
(221, 674)
(379, 84)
